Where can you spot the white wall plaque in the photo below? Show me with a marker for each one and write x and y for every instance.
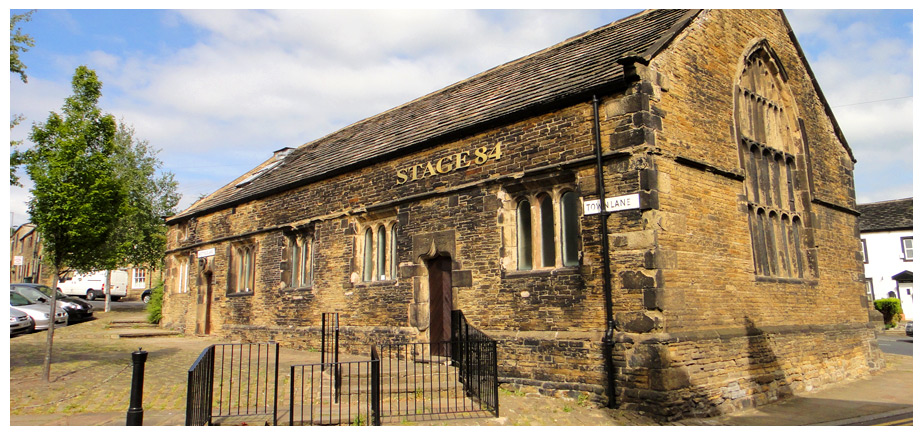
(624, 202)
(206, 253)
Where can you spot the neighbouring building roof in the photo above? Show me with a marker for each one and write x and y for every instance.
(896, 214)
(905, 276)
(563, 73)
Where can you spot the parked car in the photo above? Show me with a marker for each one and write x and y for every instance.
(20, 322)
(909, 328)
(77, 309)
(146, 296)
(93, 285)
(38, 312)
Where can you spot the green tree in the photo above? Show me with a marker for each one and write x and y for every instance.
(76, 199)
(19, 42)
(141, 234)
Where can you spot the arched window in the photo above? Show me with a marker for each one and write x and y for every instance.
(524, 236)
(797, 242)
(296, 261)
(306, 262)
(182, 274)
(367, 256)
(380, 253)
(301, 260)
(569, 229)
(769, 144)
(785, 237)
(547, 224)
(394, 251)
(770, 226)
(243, 262)
(377, 251)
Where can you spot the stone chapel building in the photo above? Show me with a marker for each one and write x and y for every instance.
(725, 271)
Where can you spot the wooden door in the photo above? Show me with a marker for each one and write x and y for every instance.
(440, 277)
(204, 308)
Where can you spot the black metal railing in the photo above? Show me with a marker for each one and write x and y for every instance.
(199, 389)
(330, 349)
(418, 381)
(330, 337)
(316, 397)
(233, 380)
(476, 356)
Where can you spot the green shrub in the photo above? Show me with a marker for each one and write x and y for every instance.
(891, 309)
(157, 301)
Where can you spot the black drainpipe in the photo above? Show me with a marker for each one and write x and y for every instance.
(607, 276)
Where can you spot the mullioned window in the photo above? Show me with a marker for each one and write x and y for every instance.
(770, 150)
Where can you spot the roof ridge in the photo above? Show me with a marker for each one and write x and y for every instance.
(571, 40)
(887, 200)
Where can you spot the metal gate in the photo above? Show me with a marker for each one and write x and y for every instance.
(403, 381)
(341, 393)
(236, 380)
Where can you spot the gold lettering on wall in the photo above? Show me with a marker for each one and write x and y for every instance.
(447, 164)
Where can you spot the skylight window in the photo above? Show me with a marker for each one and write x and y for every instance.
(262, 171)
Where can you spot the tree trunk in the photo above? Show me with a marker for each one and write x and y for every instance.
(107, 290)
(46, 370)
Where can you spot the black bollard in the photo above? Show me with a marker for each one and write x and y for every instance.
(135, 411)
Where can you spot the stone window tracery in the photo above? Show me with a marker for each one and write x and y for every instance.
(301, 259)
(547, 233)
(377, 251)
(242, 267)
(181, 280)
(770, 149)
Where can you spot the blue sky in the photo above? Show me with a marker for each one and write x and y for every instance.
(218, 90)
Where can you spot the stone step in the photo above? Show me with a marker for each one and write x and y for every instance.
(144, 334)
(131, 323)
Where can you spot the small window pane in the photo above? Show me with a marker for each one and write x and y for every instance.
(524, 237)
(569, 229)
(380, 257)
(546, 219)
(394, 252)
(295, 261)
(367, 256)
(907, 248)
(306, 262)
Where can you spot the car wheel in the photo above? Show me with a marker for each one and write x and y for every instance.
(90, 295)
(146, 298)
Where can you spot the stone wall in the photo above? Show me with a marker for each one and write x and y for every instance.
(698, 332)
(713, 336)
(710, 373)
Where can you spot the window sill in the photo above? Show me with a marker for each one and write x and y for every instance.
(569, 270)
(240, 294)
(376, 283)
(296, 289)
(781, 280)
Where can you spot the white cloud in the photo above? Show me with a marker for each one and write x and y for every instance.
(263, 80)
(256, 81)
(864, 68)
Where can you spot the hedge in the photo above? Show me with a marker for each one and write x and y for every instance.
(891, 309)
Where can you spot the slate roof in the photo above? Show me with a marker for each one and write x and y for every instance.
(566, 72)
(897, 214)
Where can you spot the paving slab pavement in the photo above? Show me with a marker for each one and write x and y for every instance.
(889, 392)
(76, 400)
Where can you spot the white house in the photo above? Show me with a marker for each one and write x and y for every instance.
(886, 233)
